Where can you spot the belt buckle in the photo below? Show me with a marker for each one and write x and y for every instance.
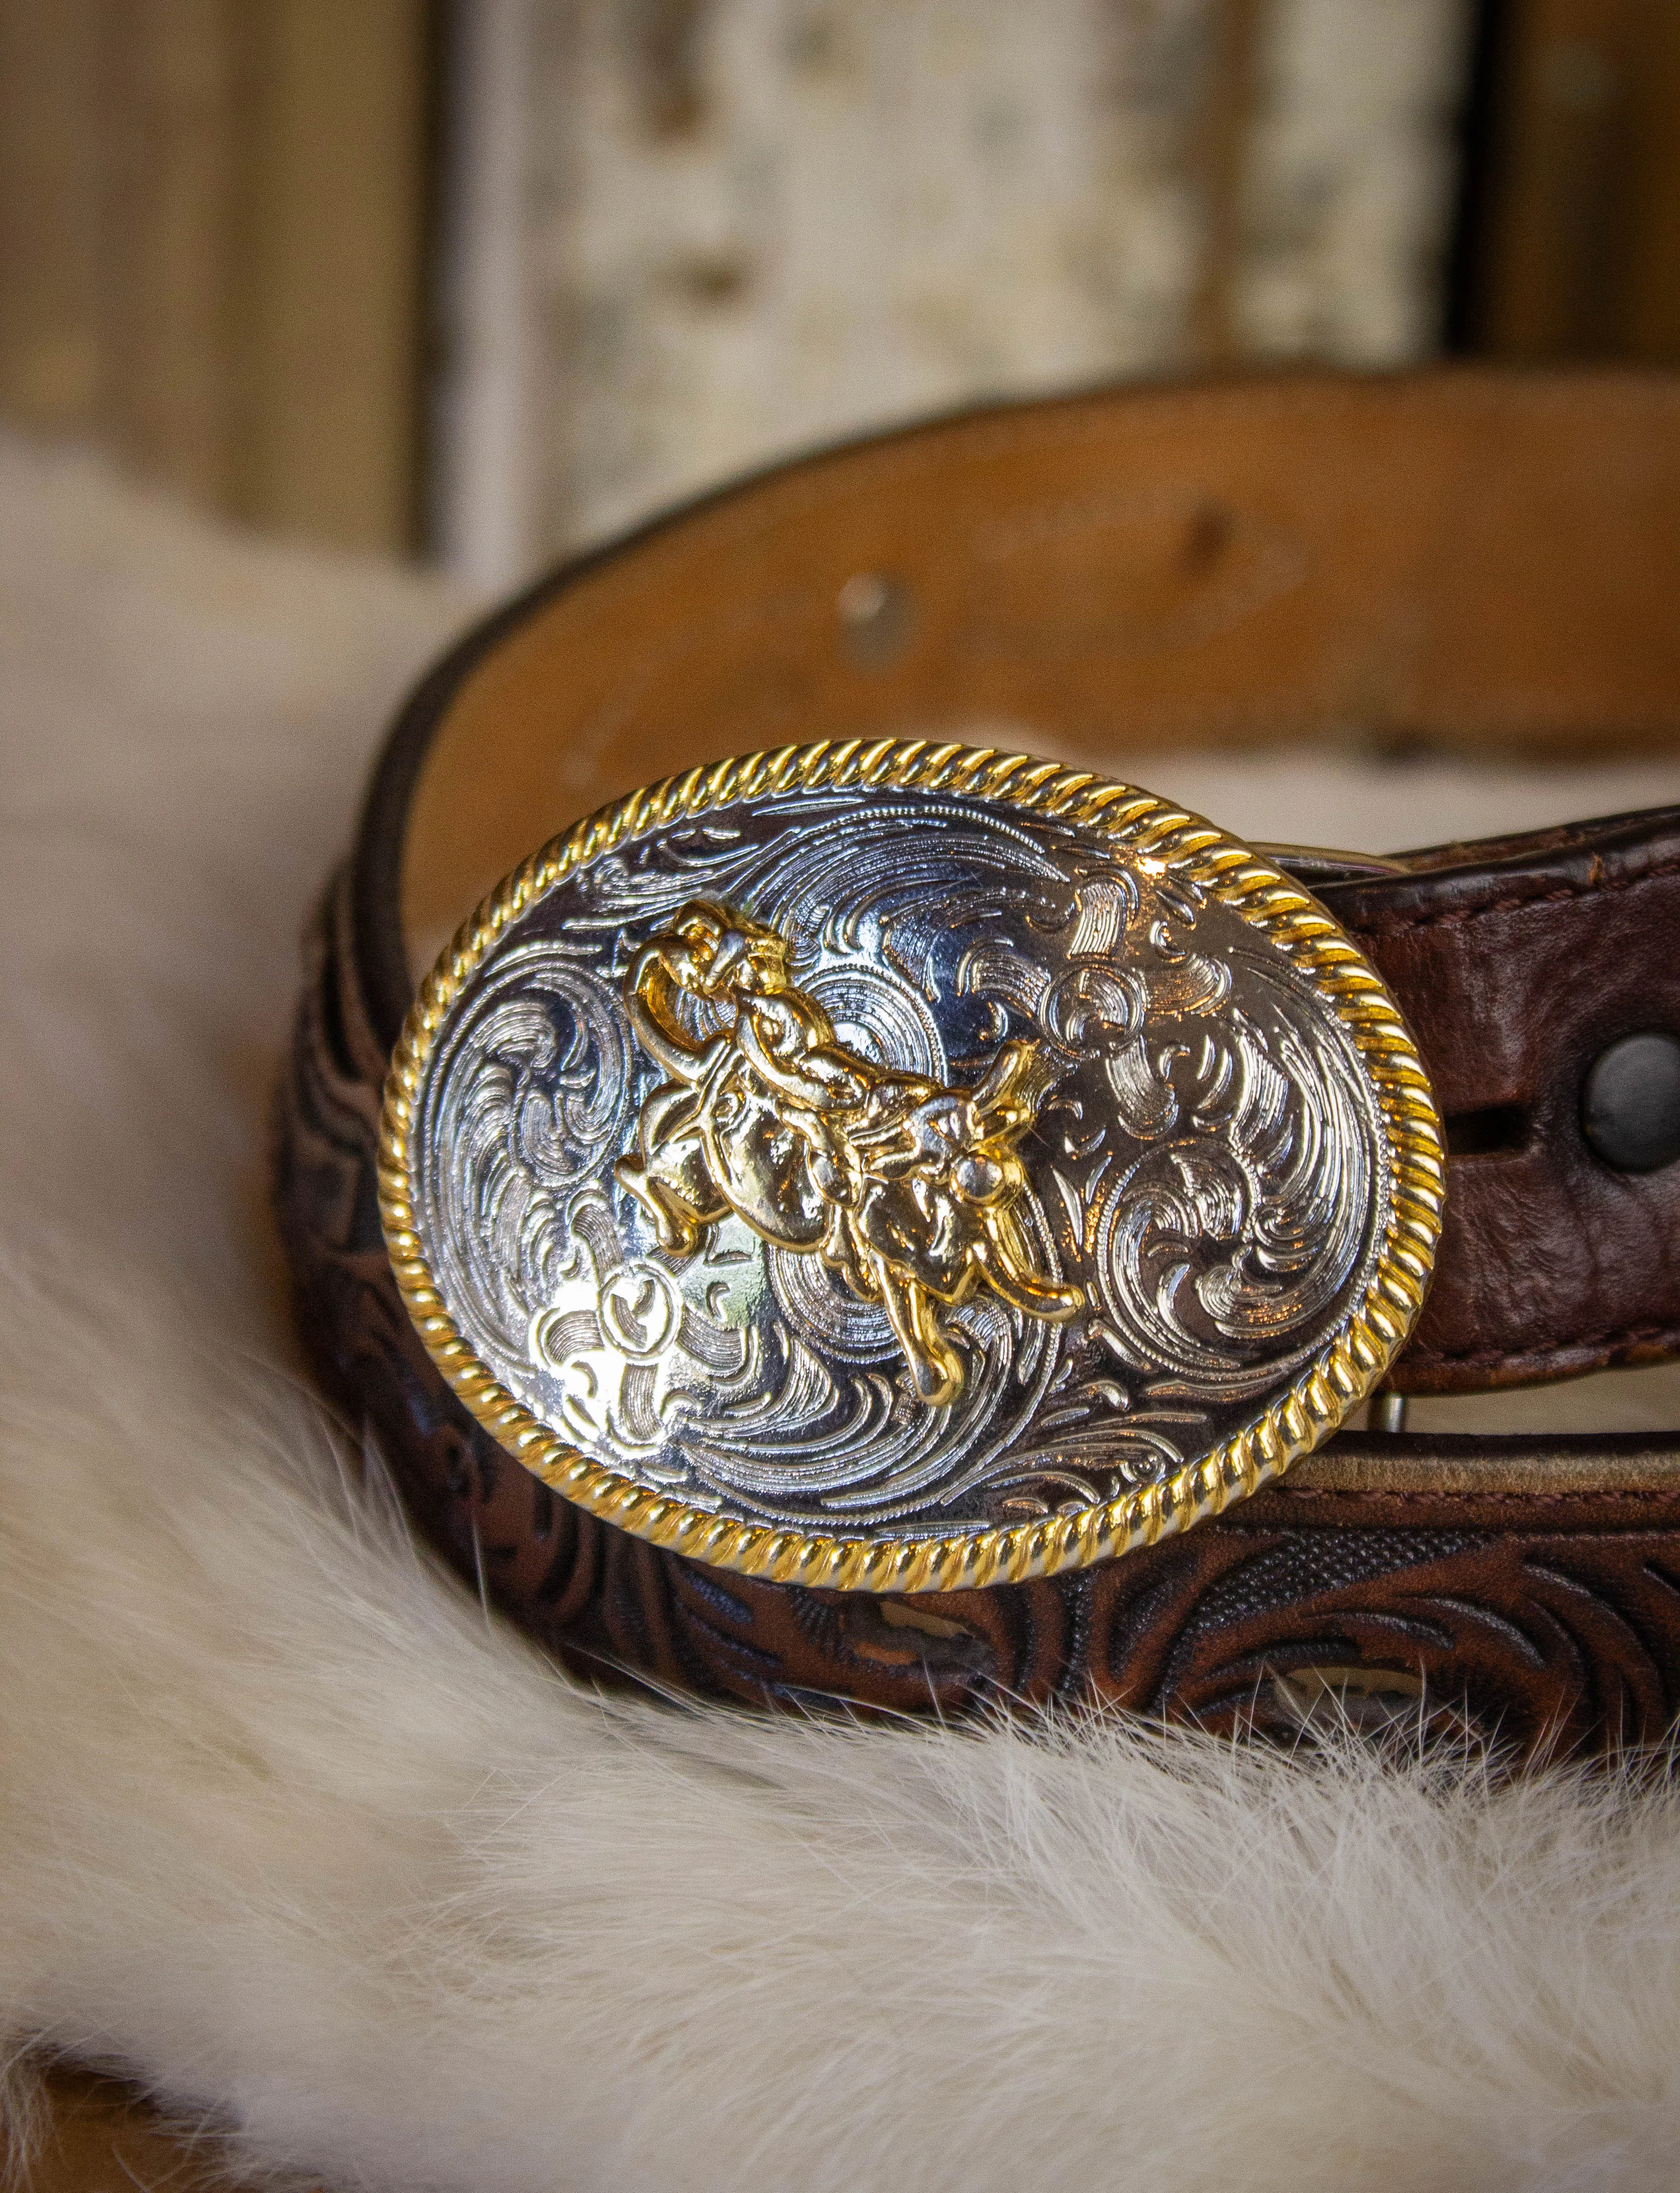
(906, 1168)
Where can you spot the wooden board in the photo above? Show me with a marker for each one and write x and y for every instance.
(1579, 246)
(213, 223)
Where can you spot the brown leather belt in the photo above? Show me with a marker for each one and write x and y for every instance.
(1472, 557)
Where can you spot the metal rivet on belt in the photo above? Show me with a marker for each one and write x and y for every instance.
(1630, 1103)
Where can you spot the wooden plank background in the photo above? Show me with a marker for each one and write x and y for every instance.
(723, 228)
(678, 237)
(213, 223)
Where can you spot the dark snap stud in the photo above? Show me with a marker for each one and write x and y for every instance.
(1630, 1110)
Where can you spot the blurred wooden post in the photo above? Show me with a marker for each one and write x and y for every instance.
(172, 118)
(1578, 246)
(51, 367)
(333, 340)
(212, 221)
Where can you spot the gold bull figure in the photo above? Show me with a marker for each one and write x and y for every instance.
(907, 1189)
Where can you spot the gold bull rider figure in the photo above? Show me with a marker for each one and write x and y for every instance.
(907, 1189)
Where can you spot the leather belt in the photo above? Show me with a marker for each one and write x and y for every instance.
(1473, 557)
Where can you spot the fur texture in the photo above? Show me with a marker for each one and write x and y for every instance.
(291, 1830)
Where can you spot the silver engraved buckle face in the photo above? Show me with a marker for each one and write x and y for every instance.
(904, 1169)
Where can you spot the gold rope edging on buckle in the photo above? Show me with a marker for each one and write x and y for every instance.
(1156, 834)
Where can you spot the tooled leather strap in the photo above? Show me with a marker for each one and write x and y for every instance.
(1481, 558)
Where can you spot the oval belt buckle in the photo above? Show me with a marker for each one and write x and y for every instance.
(902, 1168)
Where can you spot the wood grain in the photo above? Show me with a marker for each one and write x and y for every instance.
(1579, 254)
(212, 225)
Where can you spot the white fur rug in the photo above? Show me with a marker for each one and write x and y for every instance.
(291, 1832)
